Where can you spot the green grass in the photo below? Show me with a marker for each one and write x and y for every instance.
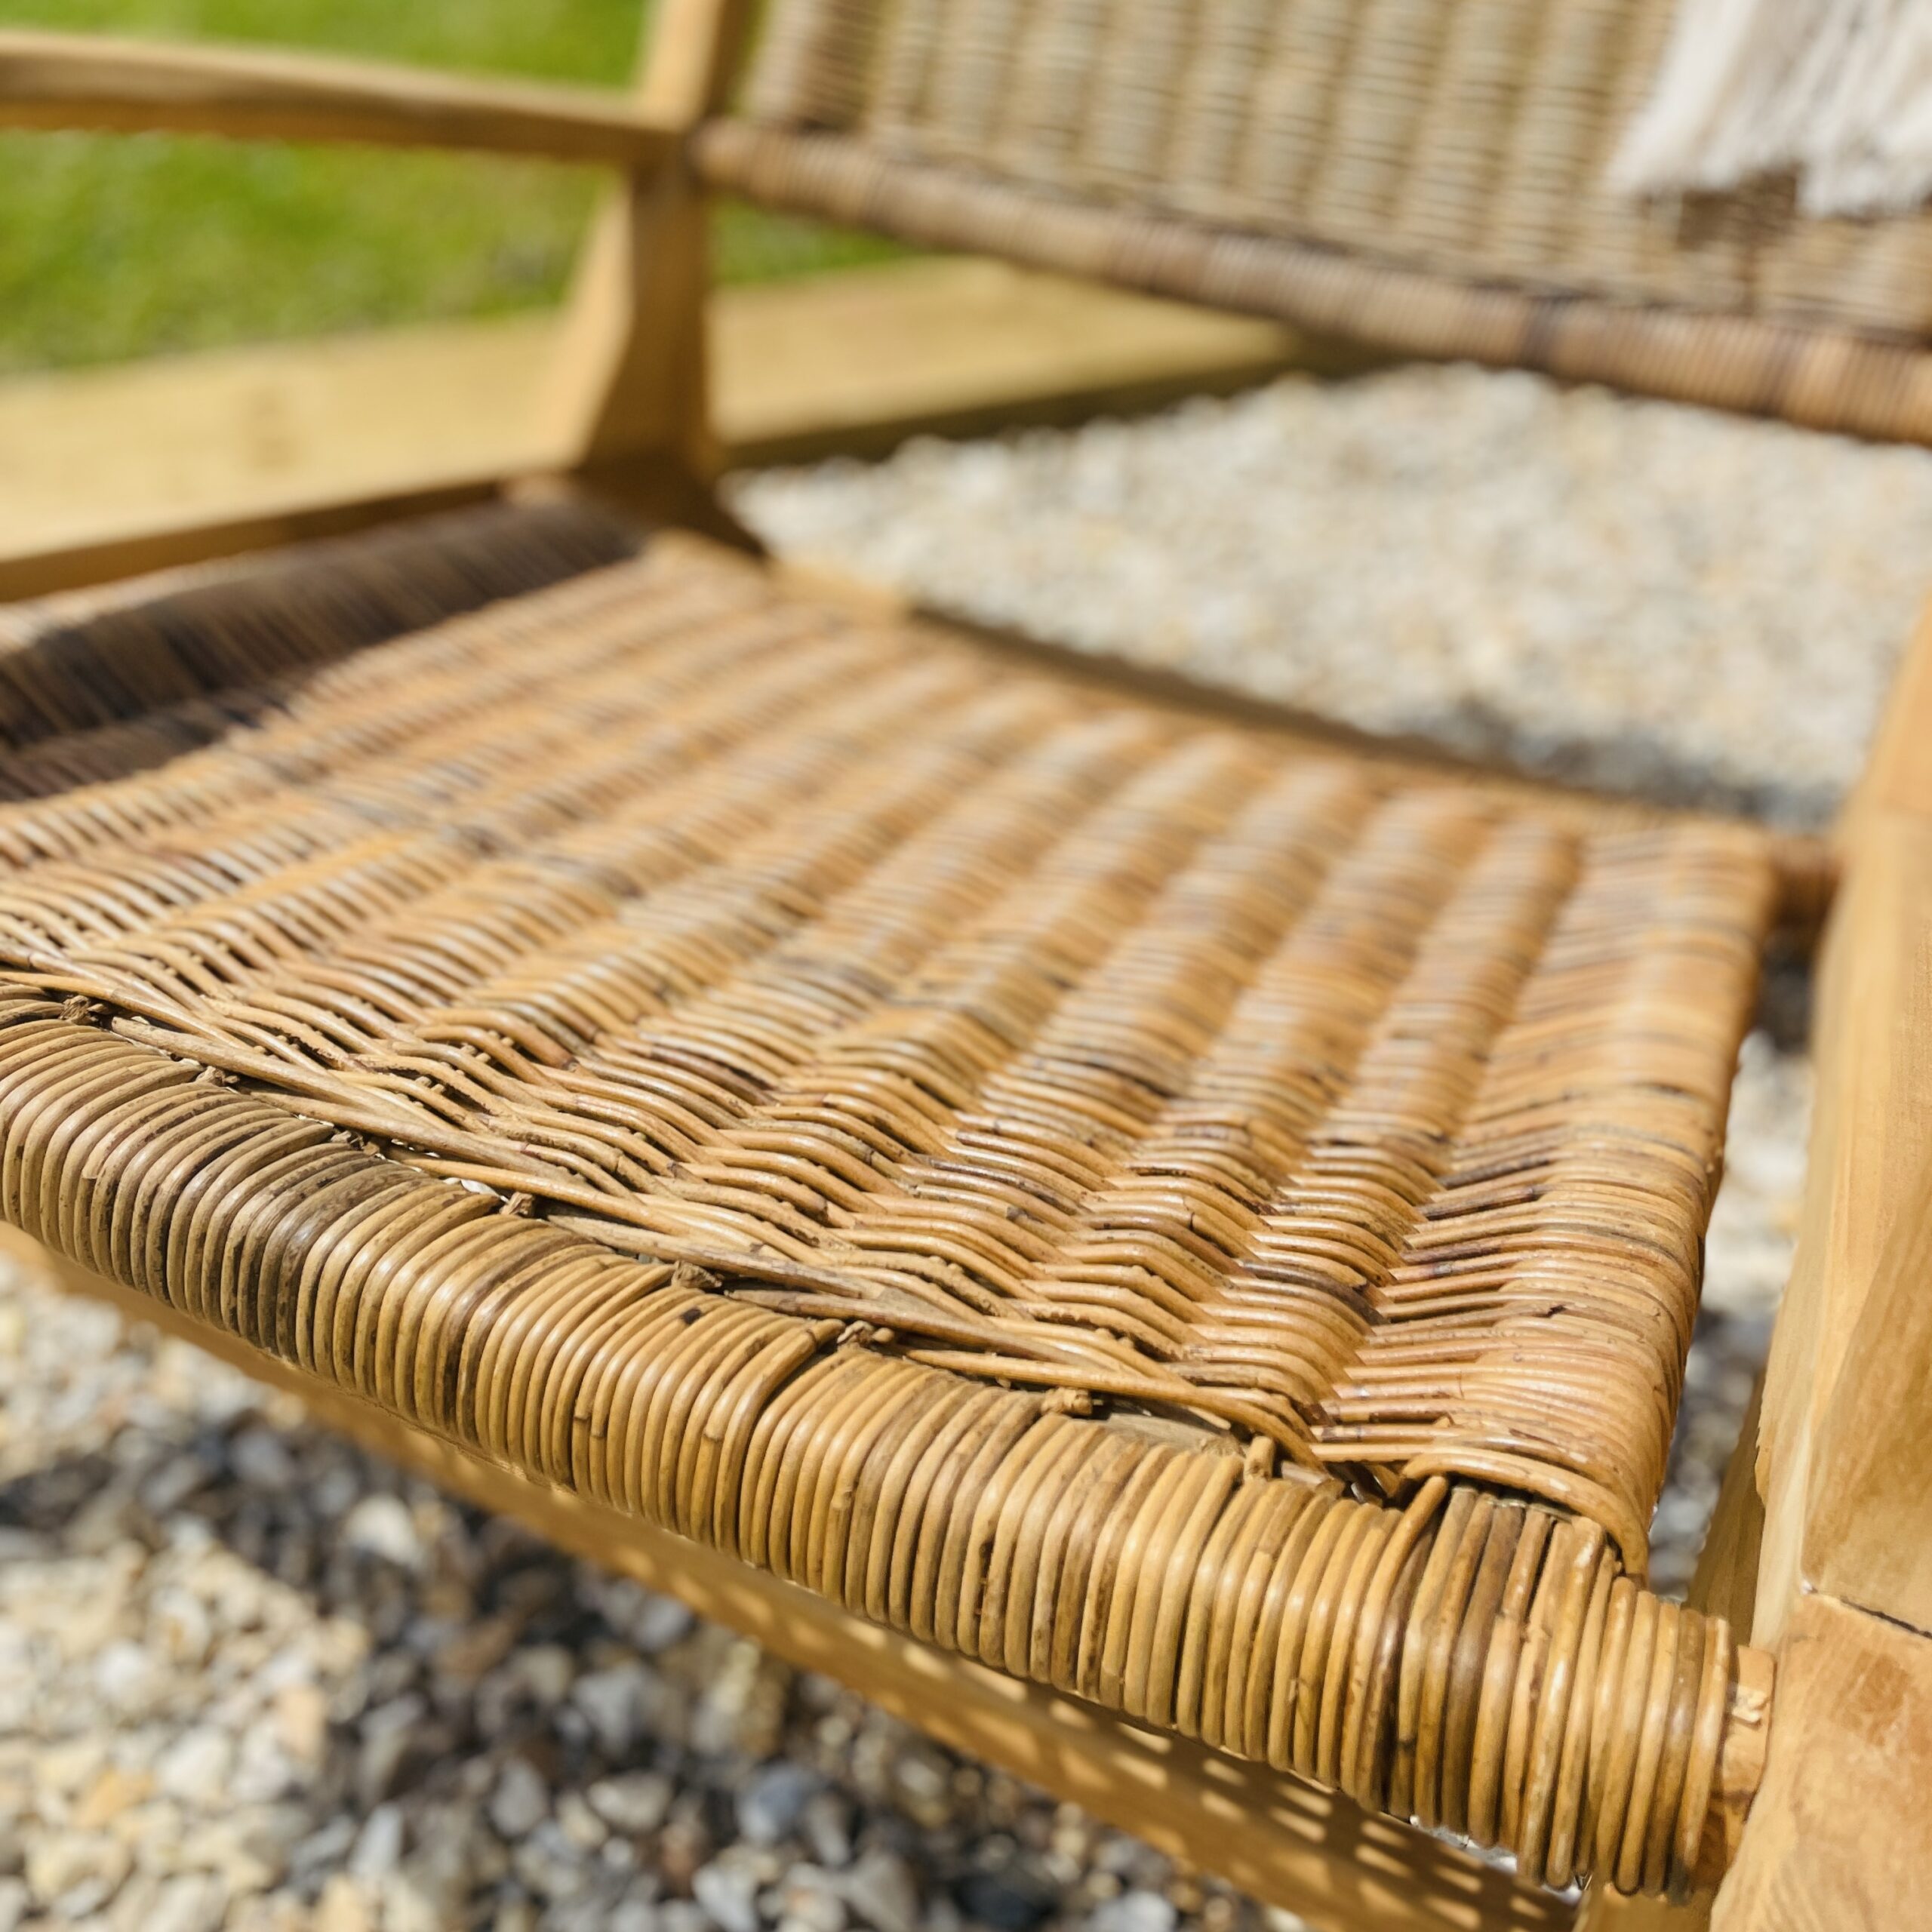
(113, 247)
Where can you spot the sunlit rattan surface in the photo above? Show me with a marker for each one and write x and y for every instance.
(1038, 1166)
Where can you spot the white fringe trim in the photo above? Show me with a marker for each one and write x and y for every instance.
(1837, 92)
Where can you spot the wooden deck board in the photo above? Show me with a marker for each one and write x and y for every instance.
(107, 469)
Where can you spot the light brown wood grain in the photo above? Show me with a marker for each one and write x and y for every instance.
(1725, 1580)
(856, 362)
(1840, 1838)
(1309, 1851)
(630, 378)
(61, 80)
(1861, 1239)
(1868, 1505)
(138, 465)
(1898, 770)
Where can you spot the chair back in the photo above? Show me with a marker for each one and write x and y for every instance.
(1428, 175)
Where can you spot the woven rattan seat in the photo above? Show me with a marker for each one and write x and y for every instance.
(1171, 1207)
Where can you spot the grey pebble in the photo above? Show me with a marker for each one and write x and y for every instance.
(193, 1902)
(1134, 1912)
(633, 1801)
(382, 1526)
(378, 1847)
(772, 1800)
(727, 1889)
(882, 1892)
(827, 1822)
(521, 1801)
(1011, 1900)
(810, 1901)
(617, 1701)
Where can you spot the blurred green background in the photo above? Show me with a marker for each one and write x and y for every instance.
(118, 246)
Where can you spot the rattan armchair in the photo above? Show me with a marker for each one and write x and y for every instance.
(1158, 1239)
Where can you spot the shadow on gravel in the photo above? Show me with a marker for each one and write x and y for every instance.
(341, 1700)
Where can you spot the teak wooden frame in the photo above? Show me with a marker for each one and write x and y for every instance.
(1822, 1546)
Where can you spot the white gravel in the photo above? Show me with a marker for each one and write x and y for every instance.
(249, 1679)
(1646, 596)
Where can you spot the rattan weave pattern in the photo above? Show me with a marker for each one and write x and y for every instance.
(1469, 1661)
(1035, 1166)
(99, 683)
(1426, 175)
(1268, 1087)
(1469, 135)
(1824, 376)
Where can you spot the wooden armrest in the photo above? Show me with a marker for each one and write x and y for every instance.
(66, 80)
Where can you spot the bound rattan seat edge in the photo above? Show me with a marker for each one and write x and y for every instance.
(1280, 1838)
(1828, 376)
(1470, 1660)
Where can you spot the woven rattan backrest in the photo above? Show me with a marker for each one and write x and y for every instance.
(1468, 137)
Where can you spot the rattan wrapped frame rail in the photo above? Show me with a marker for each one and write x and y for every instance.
(1840, 1592)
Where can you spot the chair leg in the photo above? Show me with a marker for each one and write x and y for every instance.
(1840, 1838)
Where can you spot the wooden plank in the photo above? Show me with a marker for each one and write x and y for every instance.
(1868, 1498)
(106, 472)
(1284, 1842)
(1725, 1581)
(1898, 770)
(1840, 1838)
(188, 450)
(961, 347)
(1846, 1463)
(66, 80)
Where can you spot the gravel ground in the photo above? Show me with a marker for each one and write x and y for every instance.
(1643, 595)
(249, 1679)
